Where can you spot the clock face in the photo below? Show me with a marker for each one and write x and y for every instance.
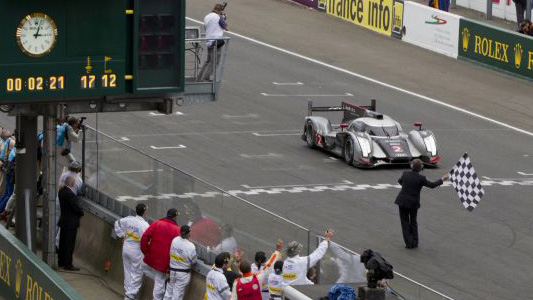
(36, 34)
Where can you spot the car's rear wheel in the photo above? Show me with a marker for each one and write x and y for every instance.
(310, 135)
(348, 151)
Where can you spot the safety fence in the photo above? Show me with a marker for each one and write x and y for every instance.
(439, 31)
(119, 173)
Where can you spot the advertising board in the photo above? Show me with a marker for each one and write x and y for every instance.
(431, 28)
(24, 276)
(376, 15)
(495, 47)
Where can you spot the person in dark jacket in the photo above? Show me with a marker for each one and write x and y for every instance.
(71, 213)
(155, 245)
(408, 200)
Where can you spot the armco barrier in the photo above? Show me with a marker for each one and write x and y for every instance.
(25, 276)
(495, 47)
(431, 28)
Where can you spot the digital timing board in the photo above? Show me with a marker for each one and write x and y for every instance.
(57, 50)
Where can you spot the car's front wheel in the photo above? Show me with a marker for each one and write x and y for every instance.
(310, 135)
(348, 151)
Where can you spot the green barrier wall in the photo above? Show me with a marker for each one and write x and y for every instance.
(25, 276)
(498, 48)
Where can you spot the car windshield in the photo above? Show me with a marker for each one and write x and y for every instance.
(382, 130)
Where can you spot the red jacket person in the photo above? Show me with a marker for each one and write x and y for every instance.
(155, 245)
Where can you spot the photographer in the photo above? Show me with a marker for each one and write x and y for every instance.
(67, 133)
(215, 25)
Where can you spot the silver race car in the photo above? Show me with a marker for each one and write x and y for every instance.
(367, 139)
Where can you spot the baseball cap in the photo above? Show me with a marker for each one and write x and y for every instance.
(172, 213)
(185, 229)
(74, 165)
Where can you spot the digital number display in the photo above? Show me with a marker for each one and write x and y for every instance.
(106, 81)
(35, 84)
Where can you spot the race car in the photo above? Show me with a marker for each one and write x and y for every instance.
(366, 138)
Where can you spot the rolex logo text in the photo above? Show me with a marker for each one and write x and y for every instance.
(489, 48)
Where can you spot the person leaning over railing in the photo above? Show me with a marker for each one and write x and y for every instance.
(131, 229)
(295, 266)
(67, 133)
(215, 25)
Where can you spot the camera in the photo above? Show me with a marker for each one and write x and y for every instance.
(224, 4)
(377, 266)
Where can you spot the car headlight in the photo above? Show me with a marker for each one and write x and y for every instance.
(431, 145)
(365, 146)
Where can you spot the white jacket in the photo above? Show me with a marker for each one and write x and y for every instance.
(275, 285)
(212, 27)
(351, 269)
(217, 287)
(131, 229)
(295, 268)
(182, 254)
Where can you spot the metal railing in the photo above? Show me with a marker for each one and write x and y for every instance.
(128, 175)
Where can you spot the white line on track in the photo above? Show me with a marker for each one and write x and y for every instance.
(252, 116)
(124, 138)
(268, 155)
(294, 185)
(347, 187)
(311, 95)
(287, 83)
(376, 81)
(138, 171)
(274, 134)
(178, 113)
(170, 147)
(525, 174)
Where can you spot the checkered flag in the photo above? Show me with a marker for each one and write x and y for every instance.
(466, 182)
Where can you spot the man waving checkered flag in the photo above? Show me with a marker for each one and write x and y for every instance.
(466, 182)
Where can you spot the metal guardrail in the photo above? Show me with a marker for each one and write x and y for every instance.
(168, 186)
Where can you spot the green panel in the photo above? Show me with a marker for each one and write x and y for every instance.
(24, 276)
(501, 49)
(88, 32)
(159, 49)
(98, 43)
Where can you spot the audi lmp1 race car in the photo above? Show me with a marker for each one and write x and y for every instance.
(366, 138)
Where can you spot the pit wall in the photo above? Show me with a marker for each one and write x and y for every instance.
(438, 31)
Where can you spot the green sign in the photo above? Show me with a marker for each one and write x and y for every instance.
(502, 49)
(77, 49)
(24, 276)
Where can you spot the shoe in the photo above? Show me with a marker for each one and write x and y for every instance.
(72, 268)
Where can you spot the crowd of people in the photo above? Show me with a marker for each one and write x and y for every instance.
(163, 252)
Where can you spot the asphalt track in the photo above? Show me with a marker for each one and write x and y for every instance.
(249, 141)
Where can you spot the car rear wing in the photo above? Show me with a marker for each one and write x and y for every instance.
(350, 111)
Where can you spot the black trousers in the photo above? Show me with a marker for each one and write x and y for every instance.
(67, 242)
(409, 226)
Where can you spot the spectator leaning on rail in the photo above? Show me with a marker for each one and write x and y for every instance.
(10, 178)
(217, 287)
(132, 228)
(182, 258)
(250, 285)
(5, 136)
(295, 266)
(67, 133)
(408, 200)
(155, 245)
(215, 25)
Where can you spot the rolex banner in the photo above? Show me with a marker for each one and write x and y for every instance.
(24, 276)
(498, 48)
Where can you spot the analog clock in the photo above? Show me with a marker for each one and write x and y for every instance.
(36, 34)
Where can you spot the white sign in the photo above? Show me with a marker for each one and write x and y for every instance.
(431, 28)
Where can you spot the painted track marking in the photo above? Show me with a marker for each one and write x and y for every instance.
(287, 83)
(311, 95)
(376, 81)
(138, 171)
(169, 147)
(274, 134)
